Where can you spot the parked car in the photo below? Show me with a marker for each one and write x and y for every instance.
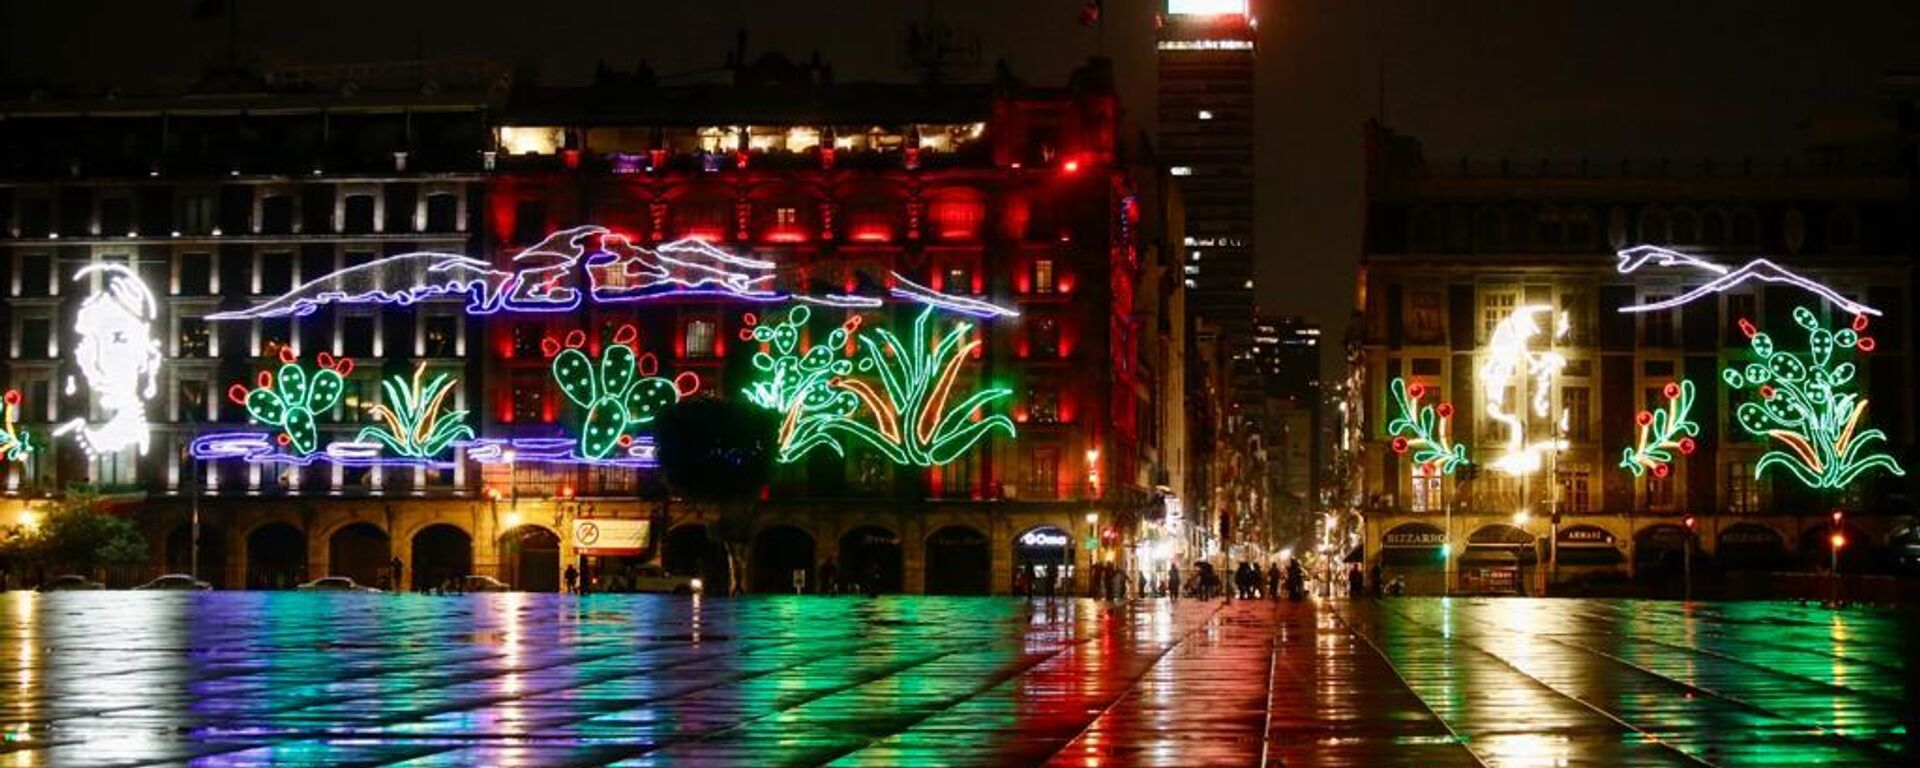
(478, 583)
(334, 584)
(71, 582)
(176, 582)
(653, 578)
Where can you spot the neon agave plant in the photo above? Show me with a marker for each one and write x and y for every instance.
(1807, 404)
(415, 425)
(798, 382)
(913, 422)
(290, 400)
(620, 393)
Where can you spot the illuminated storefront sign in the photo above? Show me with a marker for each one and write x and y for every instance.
(1045, 538)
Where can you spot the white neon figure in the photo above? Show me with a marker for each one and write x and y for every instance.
(120, 357)
(1508, 362)
(1759, 269)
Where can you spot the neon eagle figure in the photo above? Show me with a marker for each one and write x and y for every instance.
(120, 358)
(1509, 360)
(1804, 404)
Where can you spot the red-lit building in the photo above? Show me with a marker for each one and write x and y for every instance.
(1003, 192)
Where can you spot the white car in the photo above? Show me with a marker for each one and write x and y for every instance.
(176, 582)
(71, 582)
(653, 578)
(334, 584)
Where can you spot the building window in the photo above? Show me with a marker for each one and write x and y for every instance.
(1495, 307)
(1043, 275)
(35, 277)
(1043, 404)
(529, 222)
(958, 280)
(439, 333)
(36, 338)
(356, 335)
(699, 338)
(1576, 402)
(1046, 337)
(1426, 492)
(358, 214)
(1576, 308)
(1743, 493)
(36, 217)
(526, 340)
(957, 477)
(443, 212)
(196, 214)
(196, 274)
(276, 215)
(529, 399)
(116, 216)
(276, 273)
(274, 334)
(196, 337)
(1578, 496)
(1043, 473)
(193, 400)
(870, 472)
(1659, 491)
(786, 216)
(1657, 327)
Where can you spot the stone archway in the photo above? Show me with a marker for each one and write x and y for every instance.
(691, 551)
(441, 553)
(779, 551)
(276, 557)
(360, 551)
(959, 561)
(870, 560)
(213, 552)
(530, 559)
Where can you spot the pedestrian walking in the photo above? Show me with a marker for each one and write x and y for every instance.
(1023, 579)
(1173, 581)
(572, 577)
(1273, 581)
(1051, 574)
(1378, 587)
(1356, 583)
(829, 576)
(394, 574)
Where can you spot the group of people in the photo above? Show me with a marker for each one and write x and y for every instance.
(833, 581)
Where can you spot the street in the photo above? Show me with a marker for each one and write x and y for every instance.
(108, 678)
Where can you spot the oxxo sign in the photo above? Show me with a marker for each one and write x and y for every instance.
(604, 536)
(1043, 539)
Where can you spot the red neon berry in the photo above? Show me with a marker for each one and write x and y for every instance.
(1859, 322)
(343, 366)
(13, 397)
(746, 334)
(1660, 470)
(1416, 390)
(1746, 327)
(283, 438)
(1672, 390)
(550, 346)
(625, 335)
(1766, 391)
(686, 383)
(648, 364)
(750, 319)
(1865, 344)
(626, 440)
(1644, 418)
(576, 339)
(238, 394)
(1445, 410)
(1687, 446)
(324, 360)
(286, 354)
(264, 380)
(1399, 445)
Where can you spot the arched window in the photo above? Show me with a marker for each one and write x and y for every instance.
(1746, 228)
(1653, 225)
(1685, 227)
(1713, 228)
(872, 219)
(1843, 228)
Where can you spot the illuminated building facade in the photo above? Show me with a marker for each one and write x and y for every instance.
(1542, 355)
(434, 332)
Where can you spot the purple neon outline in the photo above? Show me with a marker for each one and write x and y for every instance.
(552, 450)
(259, 448)
(961, 304)
(1633, 258)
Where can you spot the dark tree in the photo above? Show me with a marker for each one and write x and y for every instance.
(720, 452)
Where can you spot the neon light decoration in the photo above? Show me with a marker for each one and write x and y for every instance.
(799, 383)
(620, 393)
(1426, 430)
(1663, 432)
(1803, 404)
(975, 307)
(415, 425)
(908, 417)
(1509, 362)
(1763, 270)
(266, 448)
(15, 443)
(290, 401)
(558, 450)
(560, 272)
(119, 356)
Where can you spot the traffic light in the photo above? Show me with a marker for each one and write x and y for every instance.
(1838, 540)
(1838, 516)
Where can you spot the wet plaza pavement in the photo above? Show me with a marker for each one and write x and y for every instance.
(290, 679)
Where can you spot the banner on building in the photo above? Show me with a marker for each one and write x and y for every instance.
(604, 536)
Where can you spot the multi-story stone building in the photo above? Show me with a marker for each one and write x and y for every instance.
(269, 216)
(1501, 292)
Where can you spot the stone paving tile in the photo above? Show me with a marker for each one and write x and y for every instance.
(289, 679)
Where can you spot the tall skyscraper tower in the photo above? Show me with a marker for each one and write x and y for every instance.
(1206, 50)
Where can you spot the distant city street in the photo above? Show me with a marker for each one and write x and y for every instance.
(290, 679)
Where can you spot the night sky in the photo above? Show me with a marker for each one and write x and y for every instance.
(1701, 79)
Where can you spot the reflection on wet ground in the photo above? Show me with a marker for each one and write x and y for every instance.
(289, 679)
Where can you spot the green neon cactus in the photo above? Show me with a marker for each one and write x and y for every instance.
(1805, 404)
(290, 400)
(797, 381)
(415, 426)
(620, 393)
